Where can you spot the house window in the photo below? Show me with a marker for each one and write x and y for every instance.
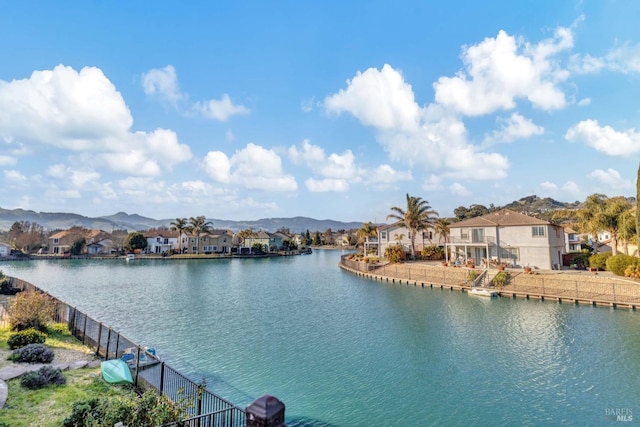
(537, 231)
(56, 241)
(477, 235)
(509, 253)
(194, 249)
(464, 233)
(383, 235)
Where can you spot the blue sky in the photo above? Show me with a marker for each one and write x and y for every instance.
(327, 109)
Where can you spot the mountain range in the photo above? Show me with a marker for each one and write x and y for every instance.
(531, 205)
(134, 222)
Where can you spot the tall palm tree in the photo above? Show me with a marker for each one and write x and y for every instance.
(417, 217)
(441, 227)
(628, 232)
(180, 225)
(599, 213)
(367, 230)
(198, 225)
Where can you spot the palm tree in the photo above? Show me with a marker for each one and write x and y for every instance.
(599, 213)
(180, 225)
(367, 230)
(417, 217)
(628, 232)
(441, 227)
(197, 226)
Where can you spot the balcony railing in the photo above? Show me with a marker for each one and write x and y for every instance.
(473, 240)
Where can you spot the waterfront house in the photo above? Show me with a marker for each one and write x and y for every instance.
(507, 236)
(61, 241)
(215, 241)
(267, 241)
(5, 249)
(160, 241)
(343, 239)
(389, 235)
(572, 239)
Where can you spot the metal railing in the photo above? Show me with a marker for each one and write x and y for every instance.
(204, 407)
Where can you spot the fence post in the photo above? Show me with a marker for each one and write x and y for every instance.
(613, 289)
(106, 350)
(138, 367)
(265, 411)
(161, 386)
(99, 340)
(84, 329)
(576, 289)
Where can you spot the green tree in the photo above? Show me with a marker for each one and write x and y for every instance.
(441, 227)
(317, 239)
(471, 212)
(417, 217)
(78, 246)
(197, 226)
(180, 225)
(599, 213)
(368, 230)
(135, 240)
(628, 229)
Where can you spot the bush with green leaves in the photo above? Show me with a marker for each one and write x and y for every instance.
(32, 353)
(618, 264)
(395, 253)
(26, 337)
(31, 309)
(42, 377)
(500, 279)
(599, 261)
(147, 410)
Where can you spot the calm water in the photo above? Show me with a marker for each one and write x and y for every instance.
(340, 350)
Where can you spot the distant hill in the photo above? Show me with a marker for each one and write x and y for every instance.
(134, 222)
(536, 205)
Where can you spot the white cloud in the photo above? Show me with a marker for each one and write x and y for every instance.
(7, 160)
(604, 138)
(514, 128)
(333, 166)
(326, 185)
(220, 109)
(502, 69)
(459, 189)
(83, 112)
(217, 166)
(385, 174)
(162, 82)
(229, 135)
(378, 98)
(571, 188)
(307, 105)
(433, 183)
(432, 138)
(64, 108)
(624, 58)
(14, 176)
(253, 167)
(584, 102)
(611, 178)
(548, 186)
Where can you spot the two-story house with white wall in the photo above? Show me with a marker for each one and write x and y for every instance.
(389, 235)
(159, 241)
(510, 237)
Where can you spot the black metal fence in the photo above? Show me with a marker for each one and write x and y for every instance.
(205, 408)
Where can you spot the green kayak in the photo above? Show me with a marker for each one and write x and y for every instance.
(116, 371)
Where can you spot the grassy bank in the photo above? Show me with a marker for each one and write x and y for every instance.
(50, 405)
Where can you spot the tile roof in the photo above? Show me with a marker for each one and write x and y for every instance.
(503, 217)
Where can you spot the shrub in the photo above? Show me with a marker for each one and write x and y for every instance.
(632, 271)
(599, 261)
(58, 330)
(32, 353)
(6, 288)
(432, 252)
(42, 377)
(500, 279)
(28, 336)
(31, 310)
(84, 413)
(618, 264)
(395, 253)
(149, 409)
(473, 275)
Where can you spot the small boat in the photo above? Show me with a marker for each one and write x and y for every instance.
(131, 257)
(482, 292)
(116, 371)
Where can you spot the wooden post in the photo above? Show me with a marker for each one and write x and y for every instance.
(106, 350)
(84, 329)
(161, 386)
